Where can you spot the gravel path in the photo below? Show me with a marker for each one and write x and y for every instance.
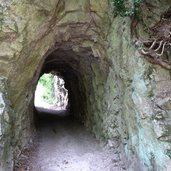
(65, 145)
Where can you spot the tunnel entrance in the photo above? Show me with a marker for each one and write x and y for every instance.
(64, 86)
(83, 76)
(71, 76)
(65, 142)
(71, 70)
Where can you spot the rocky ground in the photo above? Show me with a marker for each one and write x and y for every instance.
(65, 145)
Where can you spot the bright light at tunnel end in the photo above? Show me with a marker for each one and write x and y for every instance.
(51, 93)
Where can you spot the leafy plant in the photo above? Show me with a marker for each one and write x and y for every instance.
(47, 81)
(124, 8)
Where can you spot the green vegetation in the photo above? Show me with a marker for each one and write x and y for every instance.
(46, 82)
(125, 8)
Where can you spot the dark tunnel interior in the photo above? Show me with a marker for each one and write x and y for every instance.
(69, 65)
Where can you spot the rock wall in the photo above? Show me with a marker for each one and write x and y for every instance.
(125, 99)
(144, 94)
(6, 128)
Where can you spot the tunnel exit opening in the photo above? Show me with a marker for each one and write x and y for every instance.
(51, 93)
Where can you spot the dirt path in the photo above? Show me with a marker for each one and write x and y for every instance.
(65, 145)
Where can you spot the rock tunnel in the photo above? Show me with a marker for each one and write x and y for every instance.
(83, 75)
(75, 67)
(119, 96)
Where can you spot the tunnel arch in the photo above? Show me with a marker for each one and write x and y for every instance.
(79, 68)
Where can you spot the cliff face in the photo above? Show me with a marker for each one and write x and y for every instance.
(122, 98)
